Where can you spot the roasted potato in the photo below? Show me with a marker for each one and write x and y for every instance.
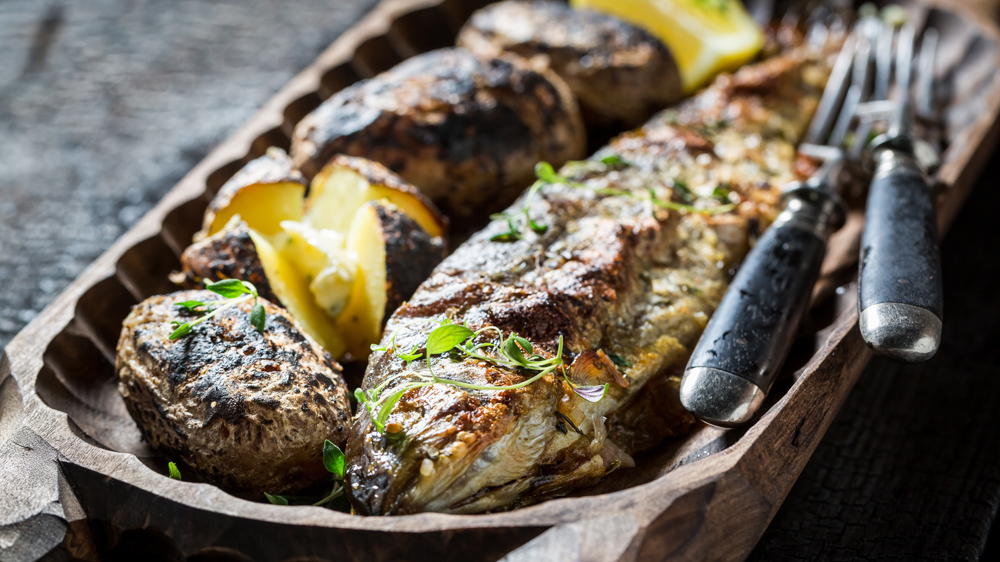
(227, 254)
(347, 182)
(239, 252)
(265, 192)
(246, 410)
(466, 130)
(620, 73)
(314, 267)
(387, 243)
(291, 286)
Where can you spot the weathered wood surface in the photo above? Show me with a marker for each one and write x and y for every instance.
(837, 525)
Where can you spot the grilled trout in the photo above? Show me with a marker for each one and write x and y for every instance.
(630, 253)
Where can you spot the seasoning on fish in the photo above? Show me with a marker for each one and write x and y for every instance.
(623, 259)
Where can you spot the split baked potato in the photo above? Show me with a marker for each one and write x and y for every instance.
(247, 410)
(340, 261)
(620, 73)
(466, 130)
(265, 192)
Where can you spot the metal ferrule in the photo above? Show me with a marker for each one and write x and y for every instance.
(813, 207)
(887, 151)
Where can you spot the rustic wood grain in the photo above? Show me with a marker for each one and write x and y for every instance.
(686, 515)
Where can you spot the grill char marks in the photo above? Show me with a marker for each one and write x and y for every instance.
(245, 410)
(619, 73)
(466, 131)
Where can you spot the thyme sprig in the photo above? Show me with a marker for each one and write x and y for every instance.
(521, 221)
(235, 291)
(511, 351)
(334, 462)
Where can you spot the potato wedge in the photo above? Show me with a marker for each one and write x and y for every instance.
(347, 182)
(227, 254)
(292, 289)
(265, 192)
(395, 255)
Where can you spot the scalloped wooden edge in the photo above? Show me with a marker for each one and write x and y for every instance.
(714, 508)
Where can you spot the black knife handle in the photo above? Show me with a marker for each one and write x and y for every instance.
(749, 335)
(900, 297)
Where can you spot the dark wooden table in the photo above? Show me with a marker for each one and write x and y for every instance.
(104, 106)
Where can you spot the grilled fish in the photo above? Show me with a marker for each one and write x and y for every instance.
(638, 247)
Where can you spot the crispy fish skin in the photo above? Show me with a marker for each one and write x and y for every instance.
(611, 273)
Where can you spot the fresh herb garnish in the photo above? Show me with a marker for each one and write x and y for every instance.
(333, 461)
(521, 221)
(174, 472)
(612, 160)
(619, 361)
(233, 289)
(681, 188)
(511, 351)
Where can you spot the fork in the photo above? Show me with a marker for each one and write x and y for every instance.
(899, 282)
(748, 337)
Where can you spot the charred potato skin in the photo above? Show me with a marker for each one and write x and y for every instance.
(466, 130)
(274, 167)
(228, 254)
(404, 239)
(620, 73)
(244, 410)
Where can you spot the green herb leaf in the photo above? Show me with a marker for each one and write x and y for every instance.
(181, 331)
(612, 160)
(721, 193)
(175, 473)
(276, 500)
(333, 459)
(681, 188)
(535, 227)
(413, 355)
(190, 306)
(525, 344)
(446, 337)
(258, 317)
(230, 288)
(544, 172)
(512, 233)
(619, 361)
(512, 350)
(359, 395)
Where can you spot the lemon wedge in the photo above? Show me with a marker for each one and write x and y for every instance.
(705, 36)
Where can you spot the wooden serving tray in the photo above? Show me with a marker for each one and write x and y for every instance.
(77, 481)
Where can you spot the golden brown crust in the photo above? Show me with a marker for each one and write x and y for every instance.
(619, 73)
(245, 410)
(467, 131)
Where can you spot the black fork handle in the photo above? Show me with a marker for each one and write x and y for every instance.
(900, 295)
(748, 337)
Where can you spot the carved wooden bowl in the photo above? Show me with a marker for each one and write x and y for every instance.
(78, 481)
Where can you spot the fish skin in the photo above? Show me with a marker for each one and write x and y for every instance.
(610, 273)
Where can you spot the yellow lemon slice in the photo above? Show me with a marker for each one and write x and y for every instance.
(705, 36)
